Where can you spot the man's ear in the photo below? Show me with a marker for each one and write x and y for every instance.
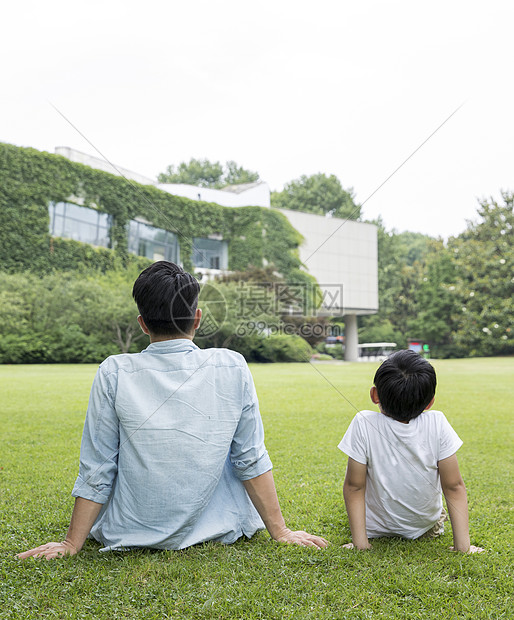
(373, 394)
(198, 318)
(142, 325)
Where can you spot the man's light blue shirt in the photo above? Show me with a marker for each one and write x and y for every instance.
(169, 435)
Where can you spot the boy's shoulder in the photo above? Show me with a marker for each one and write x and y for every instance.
(364, 420)
(430, 420)
(367, 415)
(432, 417)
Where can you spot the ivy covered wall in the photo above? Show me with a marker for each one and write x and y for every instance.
(30, 180)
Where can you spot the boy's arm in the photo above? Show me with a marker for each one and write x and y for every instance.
(263, 494)
(354, 489)
(457, 501)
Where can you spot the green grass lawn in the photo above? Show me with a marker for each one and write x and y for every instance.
(306, 411)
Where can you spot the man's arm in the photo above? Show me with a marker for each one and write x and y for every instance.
(457, 501)
(84, 515)
(354, 489)
(263, 494)
(97, 471)
(252, 466)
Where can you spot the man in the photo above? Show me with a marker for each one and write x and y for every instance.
(173, 448)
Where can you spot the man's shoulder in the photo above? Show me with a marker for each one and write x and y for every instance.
(113, 363)
(221, 356)
(213, 356)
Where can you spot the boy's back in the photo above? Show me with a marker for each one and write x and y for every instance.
(403, 490)
(401, 458)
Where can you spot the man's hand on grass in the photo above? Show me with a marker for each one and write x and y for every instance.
(263, 494)
(304, 539)
(50, 551)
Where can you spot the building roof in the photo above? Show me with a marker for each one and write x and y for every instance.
(242, 187)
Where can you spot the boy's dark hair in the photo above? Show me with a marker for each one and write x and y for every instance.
(166, 297)
(405, 384)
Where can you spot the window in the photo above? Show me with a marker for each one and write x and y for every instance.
(79, 223)
(210, 253)
(154, 243)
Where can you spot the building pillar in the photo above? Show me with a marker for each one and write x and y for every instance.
(351, 338)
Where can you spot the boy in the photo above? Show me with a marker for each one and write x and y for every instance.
(399, 459)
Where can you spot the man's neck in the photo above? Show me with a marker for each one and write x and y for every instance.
(155, 338)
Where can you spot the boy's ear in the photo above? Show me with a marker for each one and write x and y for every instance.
(430, 404)
(373, 394)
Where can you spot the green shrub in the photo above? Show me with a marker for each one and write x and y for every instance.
(283, 348)
(60, 345)
(66, 318)
(335, 351)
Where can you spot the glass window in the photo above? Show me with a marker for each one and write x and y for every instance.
(79, 223)
(210, 253)
(154, 243)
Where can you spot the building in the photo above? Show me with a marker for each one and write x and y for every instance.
(341, 255)
(245, 195)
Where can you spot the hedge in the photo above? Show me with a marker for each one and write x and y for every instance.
(31, 179)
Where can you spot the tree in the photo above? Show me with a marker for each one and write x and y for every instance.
(436, 302)
(414, 246)
(318, 193)
(199, 172)
(459, 297)
(236, 175)
(401, 269)
(484, 262)
(204, 173)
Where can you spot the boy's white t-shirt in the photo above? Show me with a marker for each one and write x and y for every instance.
(403, 490)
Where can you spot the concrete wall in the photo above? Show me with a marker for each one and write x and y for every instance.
(257, 195)
(340, 253)
(100, 164)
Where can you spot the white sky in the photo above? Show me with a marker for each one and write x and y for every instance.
(282, 87)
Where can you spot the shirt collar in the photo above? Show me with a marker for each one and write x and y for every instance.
(177, 345)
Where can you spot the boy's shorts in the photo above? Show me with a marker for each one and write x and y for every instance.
(437, 529)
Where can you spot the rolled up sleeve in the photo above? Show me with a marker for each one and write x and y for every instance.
(248, 453)
(100, 442)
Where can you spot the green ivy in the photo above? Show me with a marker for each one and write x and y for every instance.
(30, 180)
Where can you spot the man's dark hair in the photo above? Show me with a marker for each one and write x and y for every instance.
(166, 297)
(405, 384)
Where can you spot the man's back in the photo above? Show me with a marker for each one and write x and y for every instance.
(175, 427)
(173, 445)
